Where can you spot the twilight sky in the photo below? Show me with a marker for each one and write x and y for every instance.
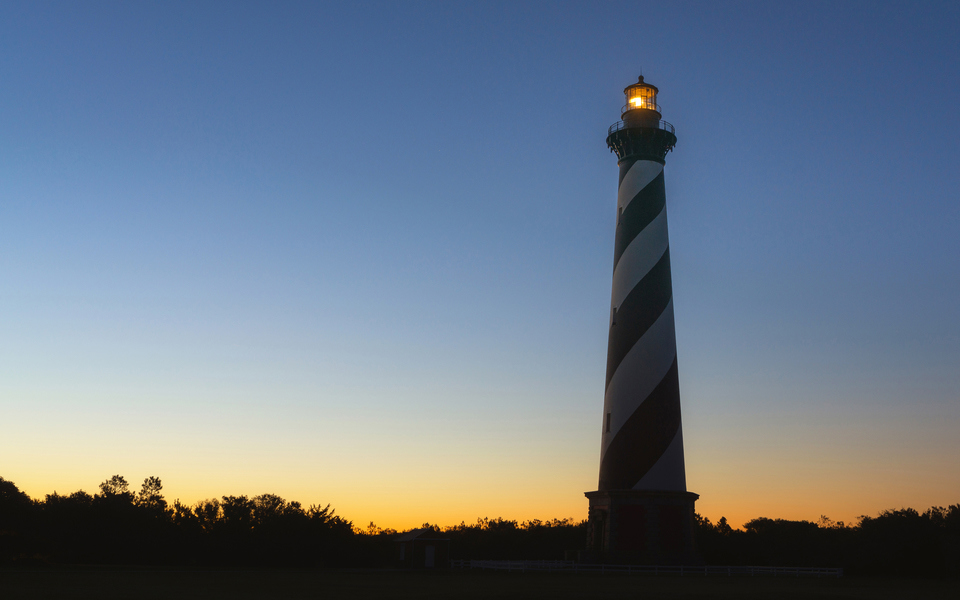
(362, 254)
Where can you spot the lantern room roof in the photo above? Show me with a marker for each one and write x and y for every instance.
(641, 83)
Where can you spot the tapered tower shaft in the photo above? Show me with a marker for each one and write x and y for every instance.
(642, 443)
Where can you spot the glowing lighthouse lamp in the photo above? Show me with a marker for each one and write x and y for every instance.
(641, 511)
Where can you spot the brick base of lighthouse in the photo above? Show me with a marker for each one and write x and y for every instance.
(641, 527)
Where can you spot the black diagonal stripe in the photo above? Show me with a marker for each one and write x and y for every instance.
(645, 436)
(644, 207)
(638, 311)
(625, 168)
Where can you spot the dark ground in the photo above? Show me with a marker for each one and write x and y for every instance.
(188, 584)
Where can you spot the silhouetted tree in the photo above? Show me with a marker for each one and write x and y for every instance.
(17, 524)
(207, 513)
(150, 497)
(116, 487)
(237, 513)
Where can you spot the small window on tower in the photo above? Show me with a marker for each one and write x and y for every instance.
(607, 429)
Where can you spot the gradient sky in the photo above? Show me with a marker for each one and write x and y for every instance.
(362, 254)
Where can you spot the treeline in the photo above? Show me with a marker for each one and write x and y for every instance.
(120, 526)
(900, 542)
(503, 539)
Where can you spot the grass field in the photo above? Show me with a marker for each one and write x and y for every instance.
(182, 584)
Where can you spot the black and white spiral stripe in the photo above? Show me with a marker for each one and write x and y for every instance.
(642, 444)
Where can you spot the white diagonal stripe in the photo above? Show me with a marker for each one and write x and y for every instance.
(640, 174)
(640, 256)
(668, 472)
(640, 371)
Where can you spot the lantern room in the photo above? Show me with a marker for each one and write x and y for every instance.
(641, 96)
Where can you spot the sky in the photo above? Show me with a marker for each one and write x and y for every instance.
(361, 253)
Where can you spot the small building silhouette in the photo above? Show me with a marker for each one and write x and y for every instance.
(422, 549)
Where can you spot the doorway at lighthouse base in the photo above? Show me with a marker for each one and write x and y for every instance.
(641, 527)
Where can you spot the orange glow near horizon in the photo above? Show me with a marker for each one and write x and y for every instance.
(399, 469)
(741, 485)
(396, 507)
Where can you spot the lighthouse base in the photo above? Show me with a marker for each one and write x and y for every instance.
(641, 527)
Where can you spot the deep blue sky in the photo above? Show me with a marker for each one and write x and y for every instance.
(362, 254)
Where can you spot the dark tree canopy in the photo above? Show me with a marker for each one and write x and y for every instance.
(119, 527)
(115, 486)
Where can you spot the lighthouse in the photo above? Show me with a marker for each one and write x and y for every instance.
(641, 510)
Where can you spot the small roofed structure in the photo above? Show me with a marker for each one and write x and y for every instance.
(422, 549)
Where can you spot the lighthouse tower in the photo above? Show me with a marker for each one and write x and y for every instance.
(641, 511)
